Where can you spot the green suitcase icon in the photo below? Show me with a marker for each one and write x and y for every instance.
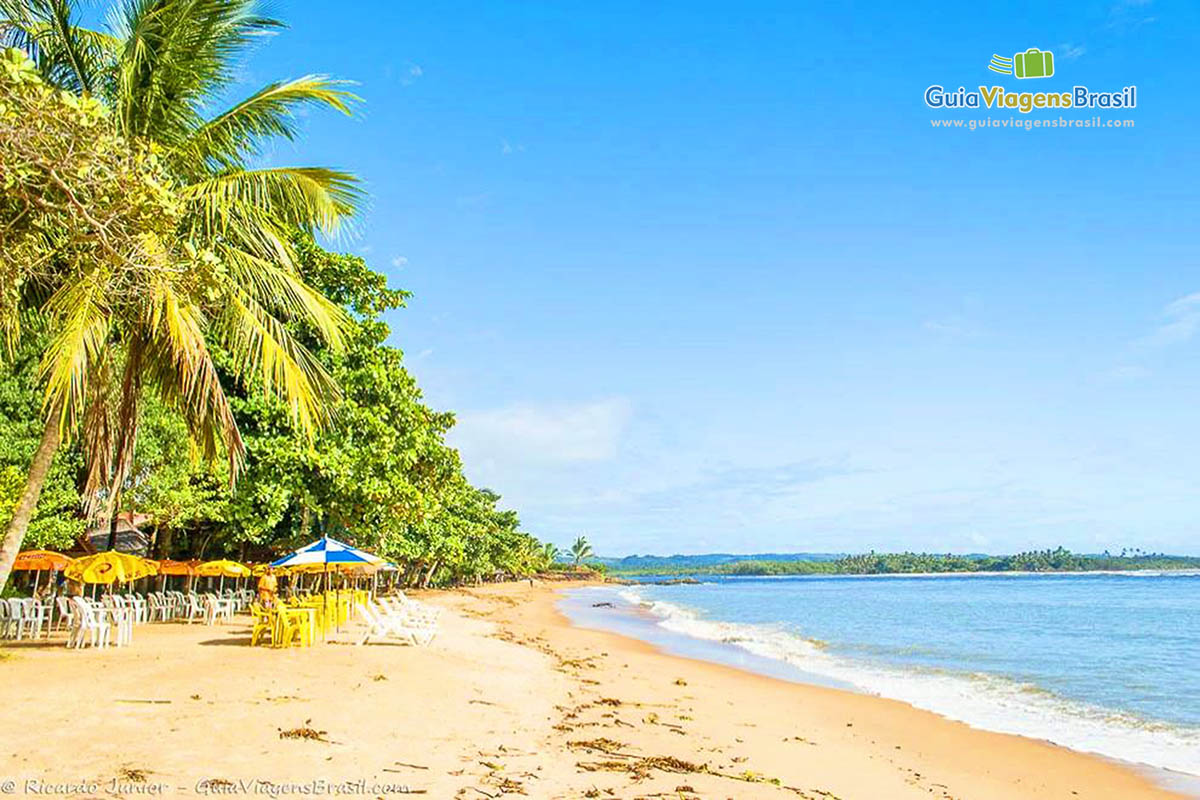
(1034, 63)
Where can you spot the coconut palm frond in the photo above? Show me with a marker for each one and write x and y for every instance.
(311, 198)
(177, 361)
(74, 52)
(97, 434)
(128, 412)
(67, 55)
(262, 347)
(283, 291)
(197, 396)
(228, 138)
(177, 54)
(81, 324)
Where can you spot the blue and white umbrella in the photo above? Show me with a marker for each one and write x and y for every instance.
(326, 552)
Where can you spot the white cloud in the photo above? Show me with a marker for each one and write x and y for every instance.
(1182, 321)
(399, 261)
(955, 327)
(411, 74)
(505, 438)
(1070, 52)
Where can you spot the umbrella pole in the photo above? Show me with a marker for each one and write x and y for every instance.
(37, 574)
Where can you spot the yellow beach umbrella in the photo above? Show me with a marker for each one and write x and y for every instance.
(223, 568)
(110, 567)
(39, 561)
(169, 567)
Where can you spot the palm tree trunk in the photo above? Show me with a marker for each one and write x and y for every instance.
(14, 535)
(112, 526)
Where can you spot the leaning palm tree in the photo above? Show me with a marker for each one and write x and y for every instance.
(580, 549)
(223, 278)
(550, 553)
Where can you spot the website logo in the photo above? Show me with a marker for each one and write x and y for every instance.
(1033, 63)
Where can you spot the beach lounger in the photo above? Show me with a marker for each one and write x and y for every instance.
(379, 625)
(417, 611)
(417, 617)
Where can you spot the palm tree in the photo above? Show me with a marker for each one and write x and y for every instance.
(580, 550)
(550, 553)
(121, 328)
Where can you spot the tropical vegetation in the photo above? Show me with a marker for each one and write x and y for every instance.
(1056, 560)
(580, 550)
(177, 341)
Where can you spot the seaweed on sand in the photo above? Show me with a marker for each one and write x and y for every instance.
(304, 732)
(642, 767)
(600, 745)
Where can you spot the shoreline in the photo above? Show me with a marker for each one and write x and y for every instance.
(1037, 759)
(637, 621)
(510, 698)
(1190, 572)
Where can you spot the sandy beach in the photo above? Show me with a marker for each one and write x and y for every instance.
(508, 700)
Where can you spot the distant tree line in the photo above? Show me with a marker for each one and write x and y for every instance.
(872, 563)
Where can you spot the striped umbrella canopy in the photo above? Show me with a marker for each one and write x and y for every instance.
(326, 553)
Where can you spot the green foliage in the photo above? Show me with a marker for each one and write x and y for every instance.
(1057, 560)
(380, 474)
(580, 550)
(133, 227)
(56, 522)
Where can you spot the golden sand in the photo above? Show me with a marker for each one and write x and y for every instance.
(509, 700)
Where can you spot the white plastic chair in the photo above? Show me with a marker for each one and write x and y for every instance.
(65, 612)
(194, 608)
(122, 616)
(137, 604)
(86, 626)
(33, 615)
(160, 608)
(18, 622)
(217, 608)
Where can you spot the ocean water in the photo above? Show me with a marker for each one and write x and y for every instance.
(1103, 663)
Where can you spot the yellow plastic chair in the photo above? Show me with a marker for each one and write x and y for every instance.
(292, 626)
(264, 625)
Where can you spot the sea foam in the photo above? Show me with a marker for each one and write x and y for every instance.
(985, 701)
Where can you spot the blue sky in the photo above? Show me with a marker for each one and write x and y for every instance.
(702, 277)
